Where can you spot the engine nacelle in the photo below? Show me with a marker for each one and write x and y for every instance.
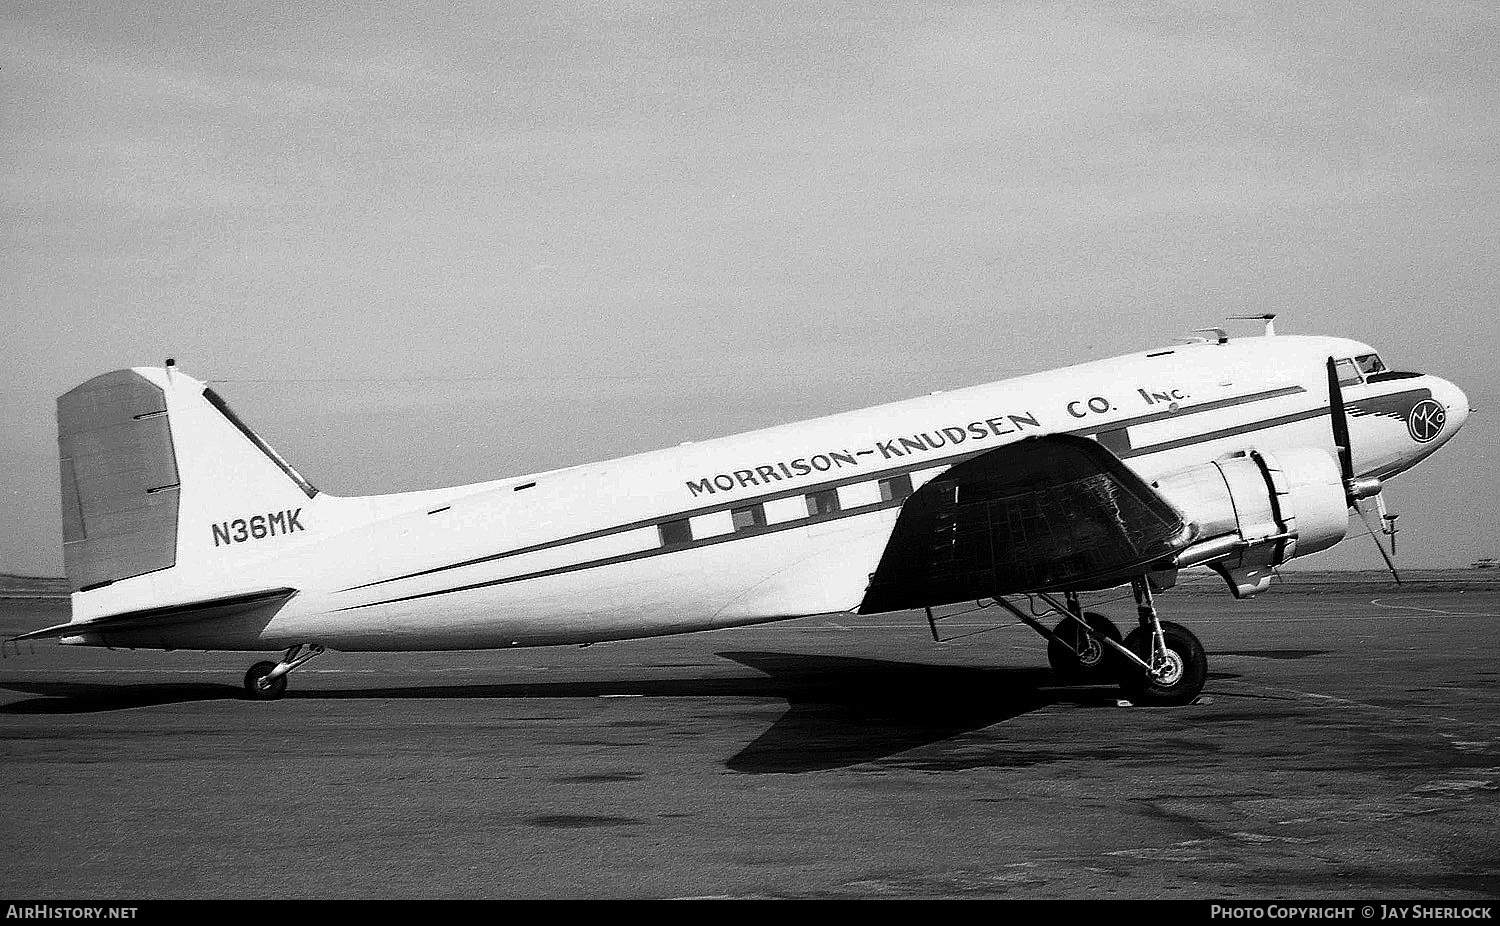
(1255, 511)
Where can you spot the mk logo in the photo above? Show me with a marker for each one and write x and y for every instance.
(1425, 420)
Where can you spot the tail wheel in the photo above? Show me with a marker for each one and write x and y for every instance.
(1177, 675)
(256, 690)
(1088, 659)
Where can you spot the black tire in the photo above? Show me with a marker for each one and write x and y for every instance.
(255, 692)
(1088, 660)
(1187, 670)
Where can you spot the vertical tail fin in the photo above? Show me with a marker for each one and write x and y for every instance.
(160, 479)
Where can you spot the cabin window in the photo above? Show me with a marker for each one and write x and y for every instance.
(896, 487)
(1348, 373)
(748, 517)
(675, 532)
(1370, 364)
(824, 502)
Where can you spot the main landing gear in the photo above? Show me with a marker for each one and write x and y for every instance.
(266, 681)
(1157, 663)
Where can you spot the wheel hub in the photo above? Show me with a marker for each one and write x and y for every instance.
(1169, 668)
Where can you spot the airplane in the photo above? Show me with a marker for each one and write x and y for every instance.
(182, 529)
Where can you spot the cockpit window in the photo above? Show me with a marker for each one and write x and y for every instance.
(1371, 369)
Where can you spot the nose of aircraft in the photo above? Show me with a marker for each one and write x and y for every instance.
(1454, 402)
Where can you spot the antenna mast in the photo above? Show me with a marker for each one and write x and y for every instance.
(1269, 318)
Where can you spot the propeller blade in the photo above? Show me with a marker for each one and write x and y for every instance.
(1354, 489)
(1340, 427)
(1389, 563)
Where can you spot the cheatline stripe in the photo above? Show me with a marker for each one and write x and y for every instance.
(904, 469)
(756, 531)
(760, 530)
(693, 513)
(1226, 432)
(1192, 410)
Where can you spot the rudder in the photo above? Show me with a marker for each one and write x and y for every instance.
(119, 478)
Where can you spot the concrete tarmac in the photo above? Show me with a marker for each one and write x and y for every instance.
(1348, 747)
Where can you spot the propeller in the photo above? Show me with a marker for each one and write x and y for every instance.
(1356, 489)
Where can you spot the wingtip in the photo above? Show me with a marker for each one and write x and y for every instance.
(56, 630)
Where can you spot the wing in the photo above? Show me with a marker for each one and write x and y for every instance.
(1048, 513)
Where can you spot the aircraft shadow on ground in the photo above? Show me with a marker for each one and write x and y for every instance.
(841, 710)
(91, 698)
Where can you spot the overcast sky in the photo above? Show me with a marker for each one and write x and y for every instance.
(420, 246)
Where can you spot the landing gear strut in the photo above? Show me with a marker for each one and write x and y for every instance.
(266, 681)
(1158, 663)
(1176, 666)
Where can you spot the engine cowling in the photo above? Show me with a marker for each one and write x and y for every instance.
(1255, 511)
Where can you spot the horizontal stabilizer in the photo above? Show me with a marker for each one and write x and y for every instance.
(206, 609)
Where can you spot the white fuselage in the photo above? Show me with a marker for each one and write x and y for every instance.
(651, 544)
